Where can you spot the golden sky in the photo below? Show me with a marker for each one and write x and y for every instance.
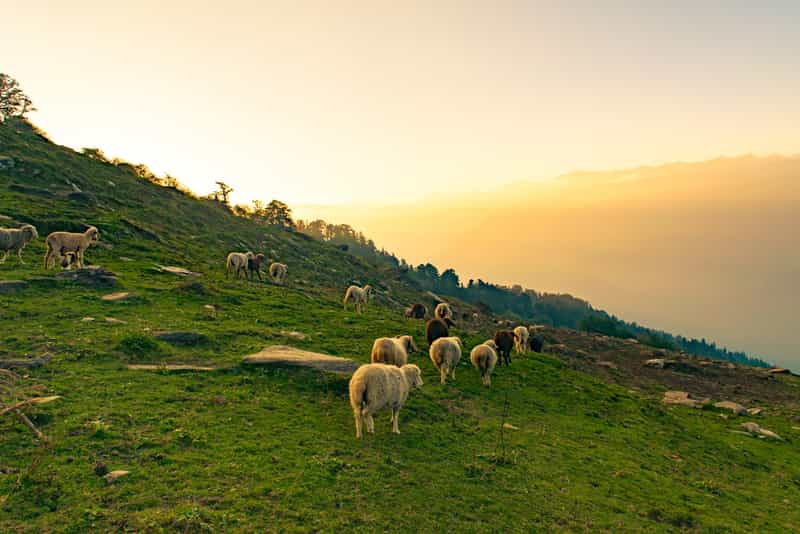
(339, 101)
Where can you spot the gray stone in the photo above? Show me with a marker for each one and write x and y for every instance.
(181, 338)
(11, 286)
(92, 275)
(735, 407)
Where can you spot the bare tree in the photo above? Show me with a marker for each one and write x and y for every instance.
(222, 194)
(13, 101)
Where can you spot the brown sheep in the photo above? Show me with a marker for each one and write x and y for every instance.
(505, 340)
(436, 328)
(417, 311)
(254, 264)
(537, 343)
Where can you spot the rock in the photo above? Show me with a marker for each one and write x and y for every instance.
(180, 271)
(90, 276)
(293, 334)
(778, 371)
(509, 426)
(181, 338)
(736, 408)
(755, 411)
(100, 469)
(118, 297)
(755, 429)
(682, 398)
(170, 367)
(283, 355)
(12, 286)
(114, 475)
(125, 258)
(657, 363)
(609, 365)
(112, 320)
(81, 197)
(87, 319)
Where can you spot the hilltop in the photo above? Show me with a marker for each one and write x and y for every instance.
(560, 442)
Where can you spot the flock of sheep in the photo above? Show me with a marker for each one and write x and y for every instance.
(384, 383)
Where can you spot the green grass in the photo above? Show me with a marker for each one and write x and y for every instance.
(250, 449)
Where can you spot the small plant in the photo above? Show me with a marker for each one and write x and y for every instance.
(139, 346)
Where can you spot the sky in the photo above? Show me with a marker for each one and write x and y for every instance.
(387, 102)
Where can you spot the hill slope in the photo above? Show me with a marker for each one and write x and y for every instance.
(242, 449)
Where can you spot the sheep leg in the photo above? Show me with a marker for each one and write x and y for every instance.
(5, 255)
(395, 414)
(370, 423)
(453, 373)
(443, 374)
(19, 255)
(357, 415)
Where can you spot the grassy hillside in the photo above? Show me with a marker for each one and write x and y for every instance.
(246, 449)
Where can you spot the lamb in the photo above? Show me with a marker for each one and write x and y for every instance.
(59, 243)
(443, 311)
(68, 259)
(392, 350)
(278, 271)
(505, 340)
(238, 263)
(521, 340)
(445, 354)
(375, 386)
(484, 358)
(436, 328)
(254, 263)
(417, 311)
(359, 295)
(15, 239)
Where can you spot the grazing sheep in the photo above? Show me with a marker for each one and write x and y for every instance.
(537, 343)
(443, 311)
(63, 242)
(392, 350)
(436, 328)
(475, 317)
(505, 340)
(521, 340)
(68, 259)
(445, 354)
(254, 264)
(237, 262)
(417, 311)
(15, 239)
(359, 295)
(484, 358)
(278, 271)
(375, 386)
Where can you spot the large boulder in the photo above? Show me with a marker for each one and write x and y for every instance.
(734, 407)
(11, 286)
(283, 356)
(682, 398)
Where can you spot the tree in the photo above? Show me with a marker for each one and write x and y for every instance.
(278, 214)
(13, 102)
(222, 194)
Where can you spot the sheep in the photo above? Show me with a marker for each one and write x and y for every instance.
(537, 343)
(59, 243)
(359, 295)
(254, 263)
(475, 317)
(375, 386)
(521, 339)
(392, 350)
(484, 358)
(445, 354)
(278, 271)
(15, 239)
(417, 311)
(443, 311)
(505, 339)
(436, 328)
(237, 262)
(68, 259)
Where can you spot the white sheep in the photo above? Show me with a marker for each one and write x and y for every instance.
(59, 243)
(237, 262)
(445, 354)
(15, 239)
(484, 358)
(521, 339)
(443, 311)
(359, 295)
(278, 271)
(392, 350)
(376, 386)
